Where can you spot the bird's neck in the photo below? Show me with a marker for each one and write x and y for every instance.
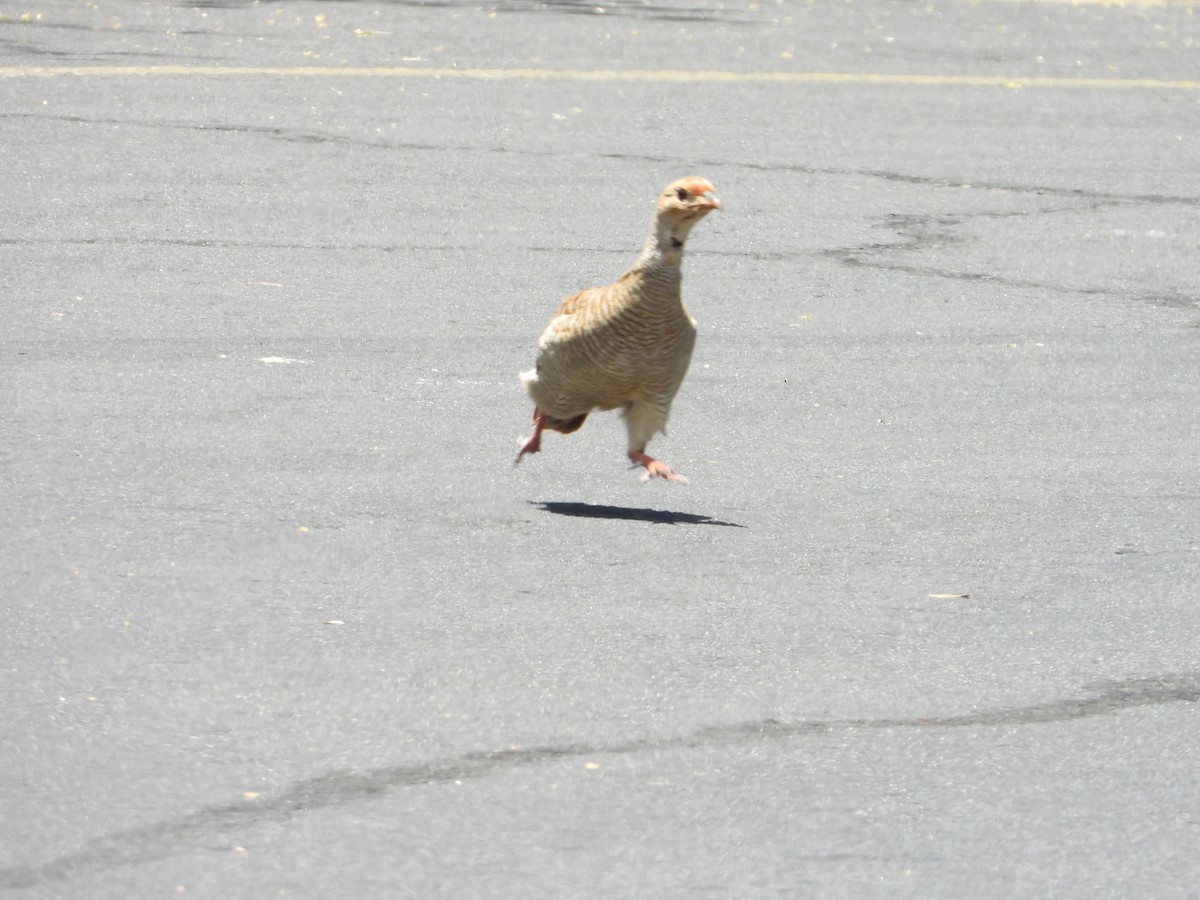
(664, 244)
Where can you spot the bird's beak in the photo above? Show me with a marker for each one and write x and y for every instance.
(711, 201)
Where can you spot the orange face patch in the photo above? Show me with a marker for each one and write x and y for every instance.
(693, 184)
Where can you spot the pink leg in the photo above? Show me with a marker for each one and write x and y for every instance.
(655, 468)
(534, 442)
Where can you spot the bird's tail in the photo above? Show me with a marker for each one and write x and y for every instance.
(528, 380)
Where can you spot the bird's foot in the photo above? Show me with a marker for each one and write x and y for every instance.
(655, 468)
(533, 443)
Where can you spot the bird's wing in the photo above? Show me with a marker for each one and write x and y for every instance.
(584, 362)
(577, 314)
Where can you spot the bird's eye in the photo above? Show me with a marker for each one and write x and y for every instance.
(681, 194)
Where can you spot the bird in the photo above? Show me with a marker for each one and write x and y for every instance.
(625, 345)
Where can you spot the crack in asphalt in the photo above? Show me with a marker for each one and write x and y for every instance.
(636, 10)
(291, 135)
(1171, 301)
(937, 181)
(997, 186)
(227, 244)
(934, 232)
(164, 839)
(916, 231)
(221, 244)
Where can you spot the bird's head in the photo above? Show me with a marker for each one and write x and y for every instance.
(681, 205)
(688, 199)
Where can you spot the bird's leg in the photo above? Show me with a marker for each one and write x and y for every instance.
(643, 420)
(534, 442)
(655, 468)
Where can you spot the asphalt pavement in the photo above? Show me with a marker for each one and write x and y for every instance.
(281, 618)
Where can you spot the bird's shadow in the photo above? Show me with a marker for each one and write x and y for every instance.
(657, 516)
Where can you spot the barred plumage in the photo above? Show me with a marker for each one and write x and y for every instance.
(626, 345)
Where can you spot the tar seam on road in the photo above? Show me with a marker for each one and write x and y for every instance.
(209, 826)
(682, 76)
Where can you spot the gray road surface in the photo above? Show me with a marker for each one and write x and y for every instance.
(281, 618)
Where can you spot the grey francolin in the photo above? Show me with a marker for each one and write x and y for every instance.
(625, 345)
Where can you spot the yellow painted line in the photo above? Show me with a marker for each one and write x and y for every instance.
(682, 76)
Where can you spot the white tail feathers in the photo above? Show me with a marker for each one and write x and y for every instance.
(528, 380)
